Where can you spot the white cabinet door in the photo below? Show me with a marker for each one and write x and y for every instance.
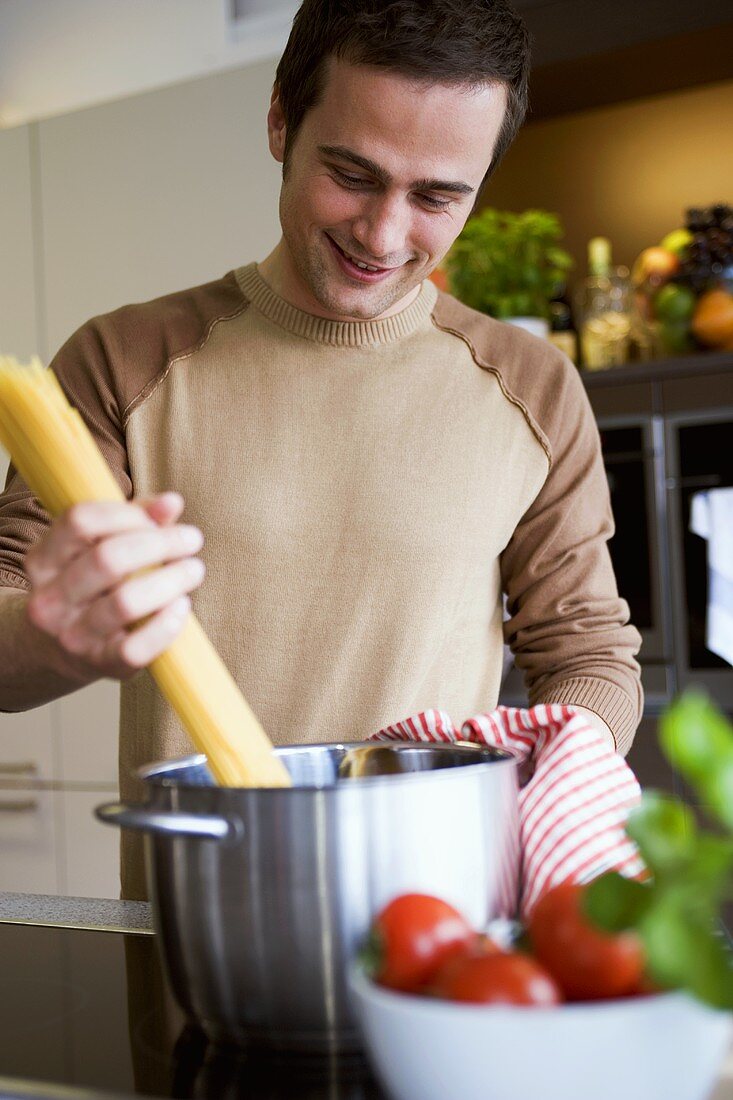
(91, 856)
(28, 842)
(27, 747)
(87, 723)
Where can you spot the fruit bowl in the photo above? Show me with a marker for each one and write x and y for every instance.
(661, 1047)
(684, 286)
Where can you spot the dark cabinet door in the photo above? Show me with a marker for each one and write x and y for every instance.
(700, 458)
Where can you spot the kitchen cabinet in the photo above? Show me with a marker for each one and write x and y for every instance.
(89, 858)
(682, 411)
(29, 838)
(29, 842)
(50, 841)
(87, 725)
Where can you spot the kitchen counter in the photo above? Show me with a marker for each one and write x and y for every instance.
(87, 1013)
(682, 366)
(94, 914)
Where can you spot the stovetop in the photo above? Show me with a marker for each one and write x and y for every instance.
(91, 1011)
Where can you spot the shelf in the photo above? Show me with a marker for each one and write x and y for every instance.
(683, 366)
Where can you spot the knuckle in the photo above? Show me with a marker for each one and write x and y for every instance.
(193, 571)
(133, 655)
(120, 603)
(104, 559)
(76, 519)
(73, 641)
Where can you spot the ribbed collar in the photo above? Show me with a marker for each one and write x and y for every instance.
(352, 334)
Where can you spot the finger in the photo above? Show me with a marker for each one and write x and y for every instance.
(138, 648)
(106, 564)
(80, 527)
(165, 508)
(132, 601)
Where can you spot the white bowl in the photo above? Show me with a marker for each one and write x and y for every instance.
(663, 1047)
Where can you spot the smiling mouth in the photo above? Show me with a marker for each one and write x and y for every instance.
(355, 260)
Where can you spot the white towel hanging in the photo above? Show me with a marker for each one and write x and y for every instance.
(711, 517)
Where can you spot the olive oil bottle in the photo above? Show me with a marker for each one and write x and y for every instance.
(603, 307)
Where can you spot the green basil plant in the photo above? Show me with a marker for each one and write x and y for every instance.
(678, 911)
(508, 265)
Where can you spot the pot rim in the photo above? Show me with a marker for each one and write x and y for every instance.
(158, 773)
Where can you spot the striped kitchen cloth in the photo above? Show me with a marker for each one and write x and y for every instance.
(573, 808)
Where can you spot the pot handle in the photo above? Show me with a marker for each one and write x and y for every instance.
(203, 826)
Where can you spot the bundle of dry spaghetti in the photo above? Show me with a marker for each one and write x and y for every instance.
(57, 457)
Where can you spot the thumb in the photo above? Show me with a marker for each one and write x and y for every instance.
(164, 508)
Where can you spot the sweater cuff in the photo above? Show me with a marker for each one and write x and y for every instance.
(607, 700)
(11, 579)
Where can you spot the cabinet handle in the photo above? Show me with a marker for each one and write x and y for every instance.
(21, 767)
(704, 481)
(18, 805)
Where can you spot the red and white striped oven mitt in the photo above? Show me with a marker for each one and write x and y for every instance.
(572, 810)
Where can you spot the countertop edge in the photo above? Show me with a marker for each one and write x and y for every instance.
(91, 914)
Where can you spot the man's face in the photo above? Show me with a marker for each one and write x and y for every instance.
(386, 171)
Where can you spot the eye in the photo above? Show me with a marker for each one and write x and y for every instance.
(348, 181)
(433, 203)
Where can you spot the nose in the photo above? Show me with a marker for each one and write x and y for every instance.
(382, 230)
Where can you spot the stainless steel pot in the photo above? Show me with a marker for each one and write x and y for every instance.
(261, 897)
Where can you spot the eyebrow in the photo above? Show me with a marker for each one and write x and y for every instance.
(342, 153)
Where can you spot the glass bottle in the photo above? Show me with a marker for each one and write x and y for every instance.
(562, 326)
(603, 307)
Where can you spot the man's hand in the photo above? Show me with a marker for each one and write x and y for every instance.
(87, 591)
(597, 722)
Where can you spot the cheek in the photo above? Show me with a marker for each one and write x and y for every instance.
(434, 235)
(328, 204)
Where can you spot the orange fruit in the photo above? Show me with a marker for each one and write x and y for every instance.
(712, 321)
(654, 261)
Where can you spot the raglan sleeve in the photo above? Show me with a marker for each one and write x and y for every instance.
(84, 369)
(568, 629)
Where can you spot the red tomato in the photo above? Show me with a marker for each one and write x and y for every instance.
(414, 935)
(479, 948)
(505, 977)
(587, 962)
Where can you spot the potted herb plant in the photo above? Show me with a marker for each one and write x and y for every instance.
(509, 266)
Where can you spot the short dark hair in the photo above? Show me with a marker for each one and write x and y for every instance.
(471, 42)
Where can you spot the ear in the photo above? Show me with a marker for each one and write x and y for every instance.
(276, 127)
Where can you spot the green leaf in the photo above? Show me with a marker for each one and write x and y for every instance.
(664, 831)
(698, 741)
(371, 953)
(683, 952)
(708, 877)
(614, 903)
(718, 794)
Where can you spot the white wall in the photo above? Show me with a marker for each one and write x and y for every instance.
(18, 305)
(154, 193)
(115, 203)
(59, 55)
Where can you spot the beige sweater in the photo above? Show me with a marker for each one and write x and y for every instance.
(367, 490)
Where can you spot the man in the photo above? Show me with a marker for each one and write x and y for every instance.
(371, 463)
